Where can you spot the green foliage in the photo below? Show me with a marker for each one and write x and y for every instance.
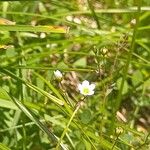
(106, 43)
(3, 147)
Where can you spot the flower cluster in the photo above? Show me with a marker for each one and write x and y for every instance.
(85, 87)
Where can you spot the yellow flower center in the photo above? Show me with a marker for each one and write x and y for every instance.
(85, 90)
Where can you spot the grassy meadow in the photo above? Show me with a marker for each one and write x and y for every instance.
(75, 75)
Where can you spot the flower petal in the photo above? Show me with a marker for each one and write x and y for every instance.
(80, 87)
(85, 83)
(58, 74)
(92, 86)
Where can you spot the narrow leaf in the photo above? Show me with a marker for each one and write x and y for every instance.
(4, 147)
(6, 22)
(52, 29)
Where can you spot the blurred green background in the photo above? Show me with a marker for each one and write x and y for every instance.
(104, 42)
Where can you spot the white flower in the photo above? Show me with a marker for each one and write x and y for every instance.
(58, 74)
(42, 35)
(86, 89)
(133, 21)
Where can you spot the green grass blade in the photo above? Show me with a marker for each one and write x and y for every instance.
(7, 104)
(33, 87)
(33, 117)
(90, 4)
(53, 98)
(4, 147)
(46, 28)
(50, 86)
(144, 28)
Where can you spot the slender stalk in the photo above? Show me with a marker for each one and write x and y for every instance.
(79, 104)
(125, 71)
(93, 13)
(21, 95)
(115, 141)
(137, 109)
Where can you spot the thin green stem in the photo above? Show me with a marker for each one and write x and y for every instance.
(21, 95)
(137, 109)
(23, 117)
(125, 71)
(115, 141)
(65, 130)
(93, 13)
